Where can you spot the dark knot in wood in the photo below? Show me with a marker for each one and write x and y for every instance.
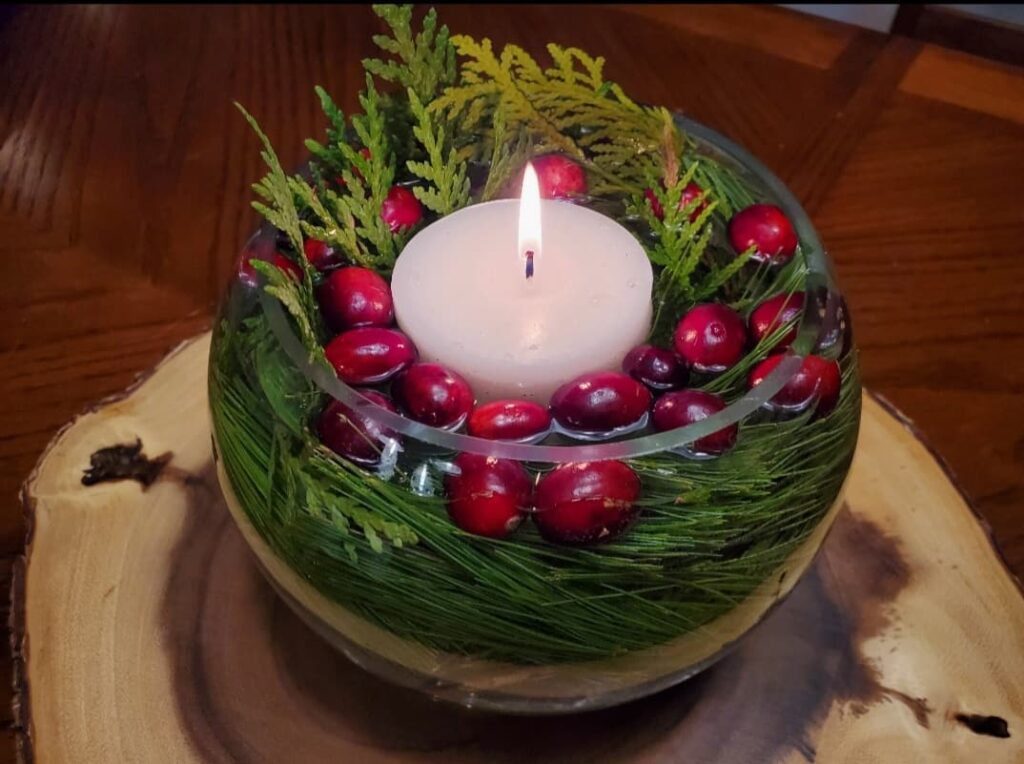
(993, 726)
(124, 462)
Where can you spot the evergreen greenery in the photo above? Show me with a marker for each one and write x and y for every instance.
(456, 120)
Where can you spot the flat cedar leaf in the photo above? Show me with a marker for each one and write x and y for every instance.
(275, 186)
(387, 44)
(716, 279)
(290, 294)
(446, 173)
(318, 150)
(424, 62)
(338, 519)
(386, 70)
(336, 130)
(330, 221)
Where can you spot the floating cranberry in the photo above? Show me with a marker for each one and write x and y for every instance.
(774, 313)
(434, 395)
(658, 368)
(509, 420)
(691, 193)
(710, 337)
(355, 435)
(251, 277)
(817, 379)
(586, 502)
(355, 296)
(684, 407)
(369, 354)
(320, 255)
(559, 177)
(401, 209)
(600, 403)
(487, 496)
(765, 227)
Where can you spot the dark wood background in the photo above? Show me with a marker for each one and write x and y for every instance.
(124, 173)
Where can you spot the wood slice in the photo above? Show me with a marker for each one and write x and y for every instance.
(146, 634)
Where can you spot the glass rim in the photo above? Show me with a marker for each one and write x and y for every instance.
(638, 445)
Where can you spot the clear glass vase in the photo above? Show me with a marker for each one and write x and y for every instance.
(368, 557)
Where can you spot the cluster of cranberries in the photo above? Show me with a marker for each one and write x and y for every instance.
(576, 503)
(712, 338)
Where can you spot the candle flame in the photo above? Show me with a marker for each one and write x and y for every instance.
(529, 220)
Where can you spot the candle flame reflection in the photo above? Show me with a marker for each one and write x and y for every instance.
(529, 221)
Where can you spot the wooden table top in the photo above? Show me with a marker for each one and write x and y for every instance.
(124, 174)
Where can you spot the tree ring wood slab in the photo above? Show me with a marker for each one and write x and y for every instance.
(143, 631)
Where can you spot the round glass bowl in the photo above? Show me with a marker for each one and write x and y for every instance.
(368, 556)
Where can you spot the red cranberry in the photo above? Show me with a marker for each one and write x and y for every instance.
(684, 407)
(599, 403)
(369, 354)
(488, 496)
(765, 227)
(817, 379)
(288, 265)
(355, 435)
(509, 420)
(401, 209)
(691, 193)
(710, 337)
(774, 313)
(559, 177)
(434, 395)
(586, 502)
(251, 278)
(658, 368)
(320, 255)
(355, 296)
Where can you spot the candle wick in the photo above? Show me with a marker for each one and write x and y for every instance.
(529, 263)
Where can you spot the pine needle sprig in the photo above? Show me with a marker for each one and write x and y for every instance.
(711, 532)
(788, 282)
(720, 181)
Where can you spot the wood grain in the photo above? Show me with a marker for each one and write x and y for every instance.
(144, 610)
(124, 175)
(972, 83)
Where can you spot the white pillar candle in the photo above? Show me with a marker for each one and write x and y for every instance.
(462, 295)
